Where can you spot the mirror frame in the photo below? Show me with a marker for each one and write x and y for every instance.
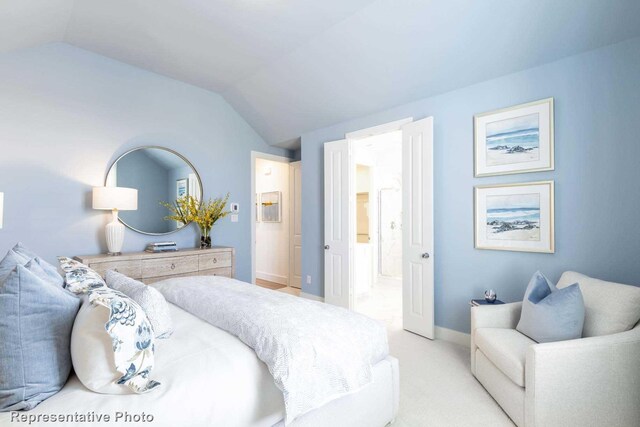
(195, 171)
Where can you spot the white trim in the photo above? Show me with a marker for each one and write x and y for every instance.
(380, 129)
(258, 155)
(275, 278)
(311, 297)
(453, 336)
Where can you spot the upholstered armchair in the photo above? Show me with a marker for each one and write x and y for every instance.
(592, 381)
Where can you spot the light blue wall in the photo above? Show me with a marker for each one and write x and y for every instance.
(67, 114)
(597, 178)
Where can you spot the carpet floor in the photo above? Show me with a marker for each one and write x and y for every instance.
(436, 385)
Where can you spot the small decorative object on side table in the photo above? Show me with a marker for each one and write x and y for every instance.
(490, 295)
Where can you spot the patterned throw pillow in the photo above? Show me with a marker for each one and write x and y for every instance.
(129, 335)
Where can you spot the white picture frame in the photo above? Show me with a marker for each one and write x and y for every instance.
(515, 217)
(518, 139)
(182, 187)
(271, 203)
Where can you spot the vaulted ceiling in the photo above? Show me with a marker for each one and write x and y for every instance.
(291, 66)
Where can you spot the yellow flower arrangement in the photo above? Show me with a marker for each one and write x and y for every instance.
(204, 214)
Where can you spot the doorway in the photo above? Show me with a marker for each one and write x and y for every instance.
(378, 206)
(345, 239)
(276, 223)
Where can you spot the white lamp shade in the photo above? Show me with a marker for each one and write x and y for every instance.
(120, 198)
(1, 208)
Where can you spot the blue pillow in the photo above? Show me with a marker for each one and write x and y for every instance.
(35, 332)
(21, 255)
(551, 314)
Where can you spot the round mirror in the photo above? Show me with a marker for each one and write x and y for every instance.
(159, 175)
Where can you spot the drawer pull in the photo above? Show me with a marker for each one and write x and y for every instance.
(215, 260)
(173, 266)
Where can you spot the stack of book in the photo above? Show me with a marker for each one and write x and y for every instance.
(161, 247)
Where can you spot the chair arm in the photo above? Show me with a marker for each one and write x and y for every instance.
(588, 381)
(492, 316)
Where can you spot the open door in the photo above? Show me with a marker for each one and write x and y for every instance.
(337, 224)
(417, 213)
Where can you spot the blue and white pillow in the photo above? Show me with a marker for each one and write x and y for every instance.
(109, 327)
(551, 314)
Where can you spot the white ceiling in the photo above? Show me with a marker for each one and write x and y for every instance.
(291, 66)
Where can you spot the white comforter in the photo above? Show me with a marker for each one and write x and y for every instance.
(209, 379)
(315, 352)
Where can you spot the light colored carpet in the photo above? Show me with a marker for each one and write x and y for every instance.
(436, 385)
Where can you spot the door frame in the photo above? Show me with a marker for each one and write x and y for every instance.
(274, 158)
(296, 164)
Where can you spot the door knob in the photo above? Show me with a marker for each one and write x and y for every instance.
(327, 247)
(425, 255)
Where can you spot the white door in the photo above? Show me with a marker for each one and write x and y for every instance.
(295, 221)
(337, 223)
(417, 227)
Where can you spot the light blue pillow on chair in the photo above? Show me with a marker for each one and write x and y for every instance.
(551, 314)
(35, 332)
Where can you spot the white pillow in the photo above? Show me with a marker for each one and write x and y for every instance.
(150, 299)
(112, 342)
(92, 351)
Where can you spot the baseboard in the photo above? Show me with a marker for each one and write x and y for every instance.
(455, 337)
(282, 280)
(311, 297)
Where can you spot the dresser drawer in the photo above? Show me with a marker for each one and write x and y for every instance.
(131, 269)
(159, 267)
(225, 272)
(214, 260)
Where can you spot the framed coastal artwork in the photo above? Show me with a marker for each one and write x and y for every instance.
(515, 217)
(182, 187)
(514, 140)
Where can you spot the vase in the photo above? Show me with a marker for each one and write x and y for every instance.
(205, 238)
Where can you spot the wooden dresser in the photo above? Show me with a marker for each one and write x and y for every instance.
(153, 267)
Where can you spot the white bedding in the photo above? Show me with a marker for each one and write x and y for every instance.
(209, 378)
(315, 352)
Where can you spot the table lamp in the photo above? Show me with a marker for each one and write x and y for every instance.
(115, 199)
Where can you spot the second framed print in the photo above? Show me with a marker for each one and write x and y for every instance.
(514, 140)
(515, 217)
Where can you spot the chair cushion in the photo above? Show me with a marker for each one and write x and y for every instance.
(551, 314)
(609, 307)
(505, 348)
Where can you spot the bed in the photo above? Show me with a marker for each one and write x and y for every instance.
(210, 378)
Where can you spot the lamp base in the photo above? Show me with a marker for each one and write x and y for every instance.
(115, 235)
(114, 253)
